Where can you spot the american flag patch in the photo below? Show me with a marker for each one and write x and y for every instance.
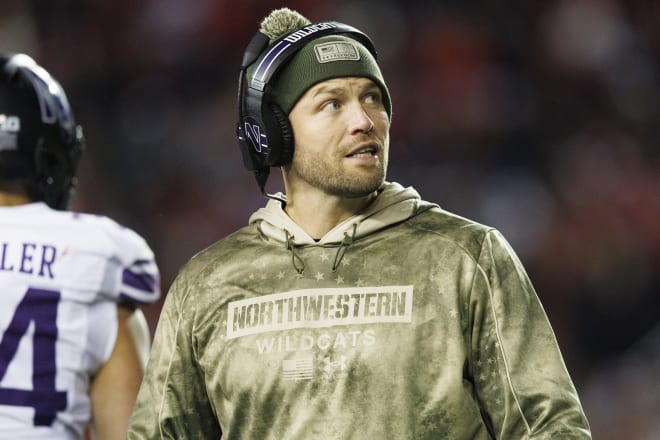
(336, 51)
(297, 369)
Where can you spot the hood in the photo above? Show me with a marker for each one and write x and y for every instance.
(393, 204)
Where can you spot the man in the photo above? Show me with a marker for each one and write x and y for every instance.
(348, 308)
(73, 345)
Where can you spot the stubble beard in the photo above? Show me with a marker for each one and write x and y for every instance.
(333, 179)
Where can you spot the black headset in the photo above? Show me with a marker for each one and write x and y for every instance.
(264, 132)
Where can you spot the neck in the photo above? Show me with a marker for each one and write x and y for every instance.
(319, 213)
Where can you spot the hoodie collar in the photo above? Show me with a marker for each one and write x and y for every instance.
(393, 204)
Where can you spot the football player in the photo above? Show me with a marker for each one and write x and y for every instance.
(73, 341)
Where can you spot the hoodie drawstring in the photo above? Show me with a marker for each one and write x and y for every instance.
(345, 243)
(297, 262)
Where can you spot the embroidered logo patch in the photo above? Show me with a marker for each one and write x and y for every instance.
(336, 51)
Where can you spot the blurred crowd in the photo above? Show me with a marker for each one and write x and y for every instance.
(540, 118)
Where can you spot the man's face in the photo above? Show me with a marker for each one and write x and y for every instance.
(335, 151)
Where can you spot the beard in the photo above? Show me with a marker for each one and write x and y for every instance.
(332, 178)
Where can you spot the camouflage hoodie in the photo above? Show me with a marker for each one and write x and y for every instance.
(403, 322)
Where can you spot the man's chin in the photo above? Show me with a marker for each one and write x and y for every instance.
(360, 189)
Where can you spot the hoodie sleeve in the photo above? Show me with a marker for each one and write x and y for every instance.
(172, 402)
(521, 381)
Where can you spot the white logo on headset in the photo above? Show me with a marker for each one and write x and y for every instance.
(308, 30)
(257, 138)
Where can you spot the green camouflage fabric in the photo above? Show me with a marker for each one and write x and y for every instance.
(404, 322)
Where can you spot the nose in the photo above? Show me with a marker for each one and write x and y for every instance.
(360, 121)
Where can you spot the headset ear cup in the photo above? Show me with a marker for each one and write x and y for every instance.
(286, 135)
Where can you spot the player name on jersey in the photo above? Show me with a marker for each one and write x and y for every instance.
(317, 308)
(28, 258)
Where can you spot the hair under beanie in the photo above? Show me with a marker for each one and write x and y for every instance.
(323, 58)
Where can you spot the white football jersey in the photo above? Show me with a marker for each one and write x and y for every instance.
(61, 277)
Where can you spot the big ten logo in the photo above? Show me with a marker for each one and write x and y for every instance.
(10, 123)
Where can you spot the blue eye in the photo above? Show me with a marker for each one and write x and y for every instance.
(331, 105)
(373, 98)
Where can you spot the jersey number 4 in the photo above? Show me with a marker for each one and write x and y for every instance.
(38, 306)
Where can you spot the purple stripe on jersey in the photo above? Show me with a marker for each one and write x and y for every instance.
(269, 59)
(141, 281)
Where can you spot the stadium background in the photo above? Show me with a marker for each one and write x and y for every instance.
(538, 117)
